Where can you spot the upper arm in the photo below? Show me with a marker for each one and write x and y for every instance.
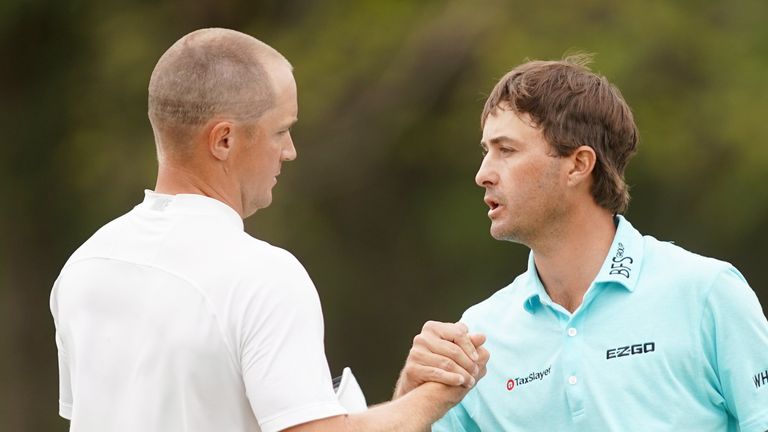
(65, 382)
(282, 354)
(335, 424)
(735, 332)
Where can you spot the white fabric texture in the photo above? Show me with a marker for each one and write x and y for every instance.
(172, 318)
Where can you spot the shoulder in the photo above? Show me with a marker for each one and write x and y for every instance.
(670, 261)
(496, 306)
(258, 256)
(101, 240)
(269, 270)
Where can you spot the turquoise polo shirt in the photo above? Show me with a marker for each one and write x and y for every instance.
(664, 340)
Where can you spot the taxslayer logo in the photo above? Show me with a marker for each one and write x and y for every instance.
(531, 377)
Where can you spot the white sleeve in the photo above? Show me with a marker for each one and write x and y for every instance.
(65, 384)
(282, 354)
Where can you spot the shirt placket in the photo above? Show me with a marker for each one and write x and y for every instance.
(572, 333)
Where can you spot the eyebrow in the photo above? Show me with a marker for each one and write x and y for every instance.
(499, 140)
(292, 123)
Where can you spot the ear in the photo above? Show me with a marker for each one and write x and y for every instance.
(221, 140)
(583, 162)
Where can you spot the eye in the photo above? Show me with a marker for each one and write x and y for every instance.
(506, 150)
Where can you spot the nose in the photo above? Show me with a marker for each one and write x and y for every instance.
(289, 151)
(486, 174)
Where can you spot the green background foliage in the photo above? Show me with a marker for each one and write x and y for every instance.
(381, 205)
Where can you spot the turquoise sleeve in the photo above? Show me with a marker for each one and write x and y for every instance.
(735, 337)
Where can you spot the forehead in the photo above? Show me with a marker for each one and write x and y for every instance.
(285, 96)
(509, 123)
(283, 83)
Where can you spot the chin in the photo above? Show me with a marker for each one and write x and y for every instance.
(255, 206)
(499, 233)
(504, 233)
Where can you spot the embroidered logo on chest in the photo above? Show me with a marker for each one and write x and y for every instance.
(530, 378)
(626, 351)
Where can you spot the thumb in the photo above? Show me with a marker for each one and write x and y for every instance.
(477, 339)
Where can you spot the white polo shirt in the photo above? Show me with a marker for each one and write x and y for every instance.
(172, 318)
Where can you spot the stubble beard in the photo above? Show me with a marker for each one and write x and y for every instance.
(533, 228)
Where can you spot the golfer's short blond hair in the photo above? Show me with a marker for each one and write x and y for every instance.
(209, 73)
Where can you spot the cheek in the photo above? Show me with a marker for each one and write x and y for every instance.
(532, 183)
(522, 177)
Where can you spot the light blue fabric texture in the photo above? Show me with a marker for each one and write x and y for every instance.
(665, 340)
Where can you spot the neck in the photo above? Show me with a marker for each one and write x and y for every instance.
(173, 179)
(568, 261)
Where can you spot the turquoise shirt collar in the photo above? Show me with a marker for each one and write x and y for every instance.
(621, 266)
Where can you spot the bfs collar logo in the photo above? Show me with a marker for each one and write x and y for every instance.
(621, 264)
(532, 377)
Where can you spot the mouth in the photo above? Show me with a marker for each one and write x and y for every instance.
(493, 205)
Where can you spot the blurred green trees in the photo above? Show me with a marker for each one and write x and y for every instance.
(381, 205)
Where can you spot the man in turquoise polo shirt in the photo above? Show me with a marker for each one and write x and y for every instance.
(607, 330)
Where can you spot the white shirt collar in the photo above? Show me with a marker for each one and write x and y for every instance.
(191, 204)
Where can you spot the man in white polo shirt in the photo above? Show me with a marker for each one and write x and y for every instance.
(607, 330)
(171, 317)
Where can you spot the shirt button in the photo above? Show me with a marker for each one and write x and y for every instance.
(572, 380)
(572, 332)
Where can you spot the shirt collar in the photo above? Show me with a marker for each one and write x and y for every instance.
(621, 267)
(191, 204)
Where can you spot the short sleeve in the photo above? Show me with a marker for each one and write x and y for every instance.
(282, 352)
(65, 383)
(456, 420)
(735, 333)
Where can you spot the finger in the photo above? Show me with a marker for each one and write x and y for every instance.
(428, 359)
(457, 333)
(484, 357)
(431, 374)
(477, 339)
(483, 362)
(465, 341)
(451, 351)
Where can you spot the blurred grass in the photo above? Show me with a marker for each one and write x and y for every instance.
(381, 205)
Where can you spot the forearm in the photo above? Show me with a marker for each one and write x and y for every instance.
(400, 388)
(413, 412)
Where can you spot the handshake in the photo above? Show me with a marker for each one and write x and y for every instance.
(447, 357)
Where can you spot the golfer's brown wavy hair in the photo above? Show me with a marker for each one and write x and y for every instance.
(574, 106)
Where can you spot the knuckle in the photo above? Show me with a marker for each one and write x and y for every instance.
(454, 351)
(415, 357)
(445, 364)
(430, 325)
(462, 327)
(435, 374)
